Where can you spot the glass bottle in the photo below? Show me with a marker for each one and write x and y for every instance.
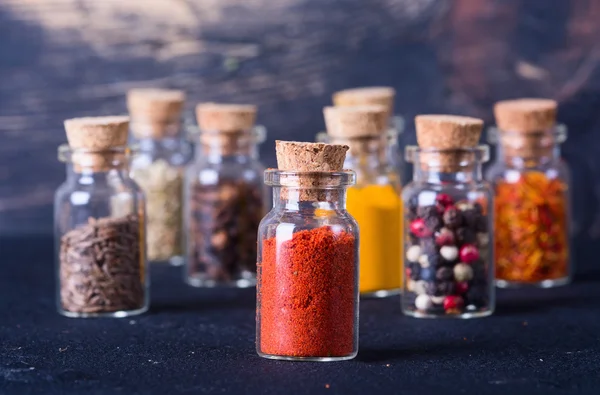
(158, 167)
(375, 200)
(99, 218)
(307, 291)
(224, 198)
(531, 186)
(448, 223)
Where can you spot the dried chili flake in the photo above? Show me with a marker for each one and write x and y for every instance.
(531, 242)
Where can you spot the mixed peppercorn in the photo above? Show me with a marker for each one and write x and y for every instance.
(447, 257)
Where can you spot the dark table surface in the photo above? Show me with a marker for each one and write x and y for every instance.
(202, 341)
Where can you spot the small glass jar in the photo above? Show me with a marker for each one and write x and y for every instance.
(224, 203)
(158, 167)
(375, 203)
(448, 227)
(99, 217)
(307, 292)
(532, 208)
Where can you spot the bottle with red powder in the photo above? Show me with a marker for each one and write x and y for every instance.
(307, 291)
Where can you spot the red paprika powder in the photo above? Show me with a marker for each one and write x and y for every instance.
(307, 294)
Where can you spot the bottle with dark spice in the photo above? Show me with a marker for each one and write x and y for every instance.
(158, 167)
(448, 222)
(224, 197)
(307, 291)
(532, 205)
(99, 218)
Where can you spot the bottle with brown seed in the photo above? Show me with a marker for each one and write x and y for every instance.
(224, 197)
(99, 218)
(158, 167)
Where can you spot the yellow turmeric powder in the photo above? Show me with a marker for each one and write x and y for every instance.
(378, 211)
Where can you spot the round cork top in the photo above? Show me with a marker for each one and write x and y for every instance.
(355, 121)
(447, 132)
(382, 95)
(226, 118)
(300, 156)
(97, 133)
(155, 104)
(526, 115)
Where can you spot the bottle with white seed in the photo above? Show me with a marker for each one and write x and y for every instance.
(158, 167)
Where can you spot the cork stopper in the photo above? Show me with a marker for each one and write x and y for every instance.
(449, 134)
(526, 127)
(225, 118)
(355, 121)
(155, 113)
(383, 96)
(225, 127)
(362, 128)
(526, 115)
(97, 136)
(296, 156)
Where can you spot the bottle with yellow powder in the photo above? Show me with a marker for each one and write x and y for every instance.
(375, 200)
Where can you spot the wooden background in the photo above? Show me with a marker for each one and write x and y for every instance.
(69, 58)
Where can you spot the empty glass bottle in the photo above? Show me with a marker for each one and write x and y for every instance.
(224, 197)
(531, 186)
(99, 218)
(448, 222)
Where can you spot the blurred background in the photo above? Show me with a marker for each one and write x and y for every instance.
(69, 58)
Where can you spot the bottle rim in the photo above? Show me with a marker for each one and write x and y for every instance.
(323, 179)
(65, 152)
(559, 132)
(258, 133)
(396, 128)
(480, 153)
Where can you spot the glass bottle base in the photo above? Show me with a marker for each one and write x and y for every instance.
(555, 282)
(173, 261)
(203, 282)
(464, 315)
(382, 293)
(110, 314)
(308, 359)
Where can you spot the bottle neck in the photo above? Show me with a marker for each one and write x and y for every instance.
(528, 157)
(433, 175)
(528, 149)
(90, 175)
(320, 200)
(145, 128)
(365, 152)
(222, 147)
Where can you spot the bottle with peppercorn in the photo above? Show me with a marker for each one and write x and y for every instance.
(448, 245)
(224, 197)
(375, 200)
(531, 186)
(307, 290)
